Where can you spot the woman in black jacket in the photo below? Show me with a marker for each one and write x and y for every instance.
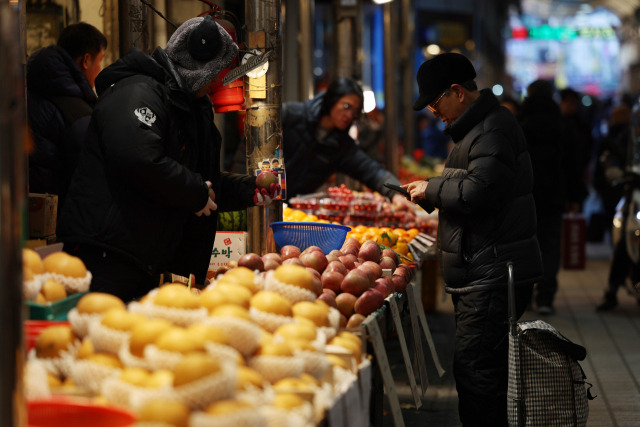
(316, 142)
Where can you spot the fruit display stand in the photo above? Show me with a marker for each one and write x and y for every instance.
(402, 316)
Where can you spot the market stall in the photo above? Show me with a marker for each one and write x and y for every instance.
(263, 327)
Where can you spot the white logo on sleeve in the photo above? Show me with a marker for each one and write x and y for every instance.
(145, 115)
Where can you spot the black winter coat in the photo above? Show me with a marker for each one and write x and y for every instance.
(544, 130)
(486, 213)
(309, 162)
(59, 104)
(150, 147)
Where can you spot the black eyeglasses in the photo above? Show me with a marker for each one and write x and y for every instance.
(354, 111)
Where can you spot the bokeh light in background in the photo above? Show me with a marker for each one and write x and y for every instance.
(580, 52)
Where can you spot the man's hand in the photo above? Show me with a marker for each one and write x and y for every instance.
(417, 190)
(211, 205)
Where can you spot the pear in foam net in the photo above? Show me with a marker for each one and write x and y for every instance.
(64, 264)
(165, 411)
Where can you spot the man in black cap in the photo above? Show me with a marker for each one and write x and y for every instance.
(145, 195)
(487, 218)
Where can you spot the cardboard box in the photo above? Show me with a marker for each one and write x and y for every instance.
(43, 214)
(228, 246)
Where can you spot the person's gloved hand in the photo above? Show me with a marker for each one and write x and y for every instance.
(211, 205)
(262, 197)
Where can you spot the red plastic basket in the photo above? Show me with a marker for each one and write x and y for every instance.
(304, 234)
(67, 412)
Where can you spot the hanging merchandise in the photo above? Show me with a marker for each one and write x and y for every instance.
(229, 97)
(226, 96)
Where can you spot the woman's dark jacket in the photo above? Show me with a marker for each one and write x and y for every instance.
(150, 147)
(487, 214)
(309, 162)
(59, 105)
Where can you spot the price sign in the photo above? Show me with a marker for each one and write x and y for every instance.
(385, 370)
(425, 328)
(417, 339)
(395, 314)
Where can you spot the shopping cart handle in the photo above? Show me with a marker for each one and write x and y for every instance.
(511, 297)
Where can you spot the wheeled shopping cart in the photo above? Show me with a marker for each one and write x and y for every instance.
(547, 385)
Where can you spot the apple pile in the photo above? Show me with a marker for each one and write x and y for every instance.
(349, 279)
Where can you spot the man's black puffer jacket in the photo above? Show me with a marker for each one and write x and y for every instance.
(309, 162)
(150, 147)
(487, 214)
(59, 102)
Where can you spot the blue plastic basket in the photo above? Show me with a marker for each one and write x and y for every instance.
(304, 234)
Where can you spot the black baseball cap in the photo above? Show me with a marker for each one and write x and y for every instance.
(439, 73)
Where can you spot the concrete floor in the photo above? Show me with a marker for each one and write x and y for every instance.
(612, 340)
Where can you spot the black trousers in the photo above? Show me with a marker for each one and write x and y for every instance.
(480, 361)
(550, 240)
(113, 273)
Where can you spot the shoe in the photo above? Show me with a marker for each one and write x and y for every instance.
(546, 310)
(607, 305)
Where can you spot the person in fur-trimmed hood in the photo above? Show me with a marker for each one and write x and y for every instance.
(148, 186)
(487, 218)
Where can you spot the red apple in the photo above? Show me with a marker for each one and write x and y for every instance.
(329, 299)
(332, 280)
(348, 261)
(314, 259)
(343, 321)
(265, 179)
(399, 283)
(296, 261)
(329, 291)
(369, 273)
(252, 261)
(337, 266)
(385, 286)
(391, 254)
(355, 320)
(312, 248)
(289, 251)
(370, 251)
(351, 241)
(403, 271)
(355, 282)
(271, 264)
(374, 266)
(332, 258)
(272, 255)
(350, 249)
(386, 262)
(368, 302)
(346, 302)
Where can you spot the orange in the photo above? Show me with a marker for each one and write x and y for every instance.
(355, 235)
(360, 229)
(388, 238)
(413, 232)
(401, 248)
(298, 215)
